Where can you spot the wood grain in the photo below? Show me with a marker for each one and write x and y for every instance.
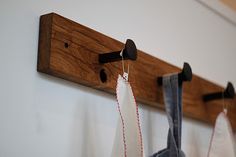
(230, 3)
(69, 50)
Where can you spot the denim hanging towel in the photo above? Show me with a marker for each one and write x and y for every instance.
(172, 92)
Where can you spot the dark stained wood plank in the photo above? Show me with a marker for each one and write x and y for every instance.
(45, 33)
(69, 50)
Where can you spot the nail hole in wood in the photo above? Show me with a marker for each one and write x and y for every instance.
(66, 45)
(103, 76)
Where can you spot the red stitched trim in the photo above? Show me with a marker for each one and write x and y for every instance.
(122, 120)
(139, 126)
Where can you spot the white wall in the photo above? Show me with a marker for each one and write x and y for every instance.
(43, 116)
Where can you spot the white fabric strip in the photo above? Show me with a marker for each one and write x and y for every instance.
(128, 139)
(222, 142)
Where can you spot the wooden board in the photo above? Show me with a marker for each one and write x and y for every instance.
(69, 50)
(230, 3)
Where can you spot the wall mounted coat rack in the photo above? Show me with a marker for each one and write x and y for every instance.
(70, 51)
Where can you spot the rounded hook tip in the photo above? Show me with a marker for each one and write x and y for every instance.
(230, 90)
(130, 50)
(187, 72)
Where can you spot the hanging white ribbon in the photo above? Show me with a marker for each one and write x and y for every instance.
(128, 138)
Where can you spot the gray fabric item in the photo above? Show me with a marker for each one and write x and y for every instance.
(173, 104)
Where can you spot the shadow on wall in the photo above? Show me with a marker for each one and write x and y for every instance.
(83, 134)
(86, 136)
(194, 148)
(62, 82)
(93, 128)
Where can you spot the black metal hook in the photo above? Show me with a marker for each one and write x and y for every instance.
(229, 92)
(129, 52)
(184, 75)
